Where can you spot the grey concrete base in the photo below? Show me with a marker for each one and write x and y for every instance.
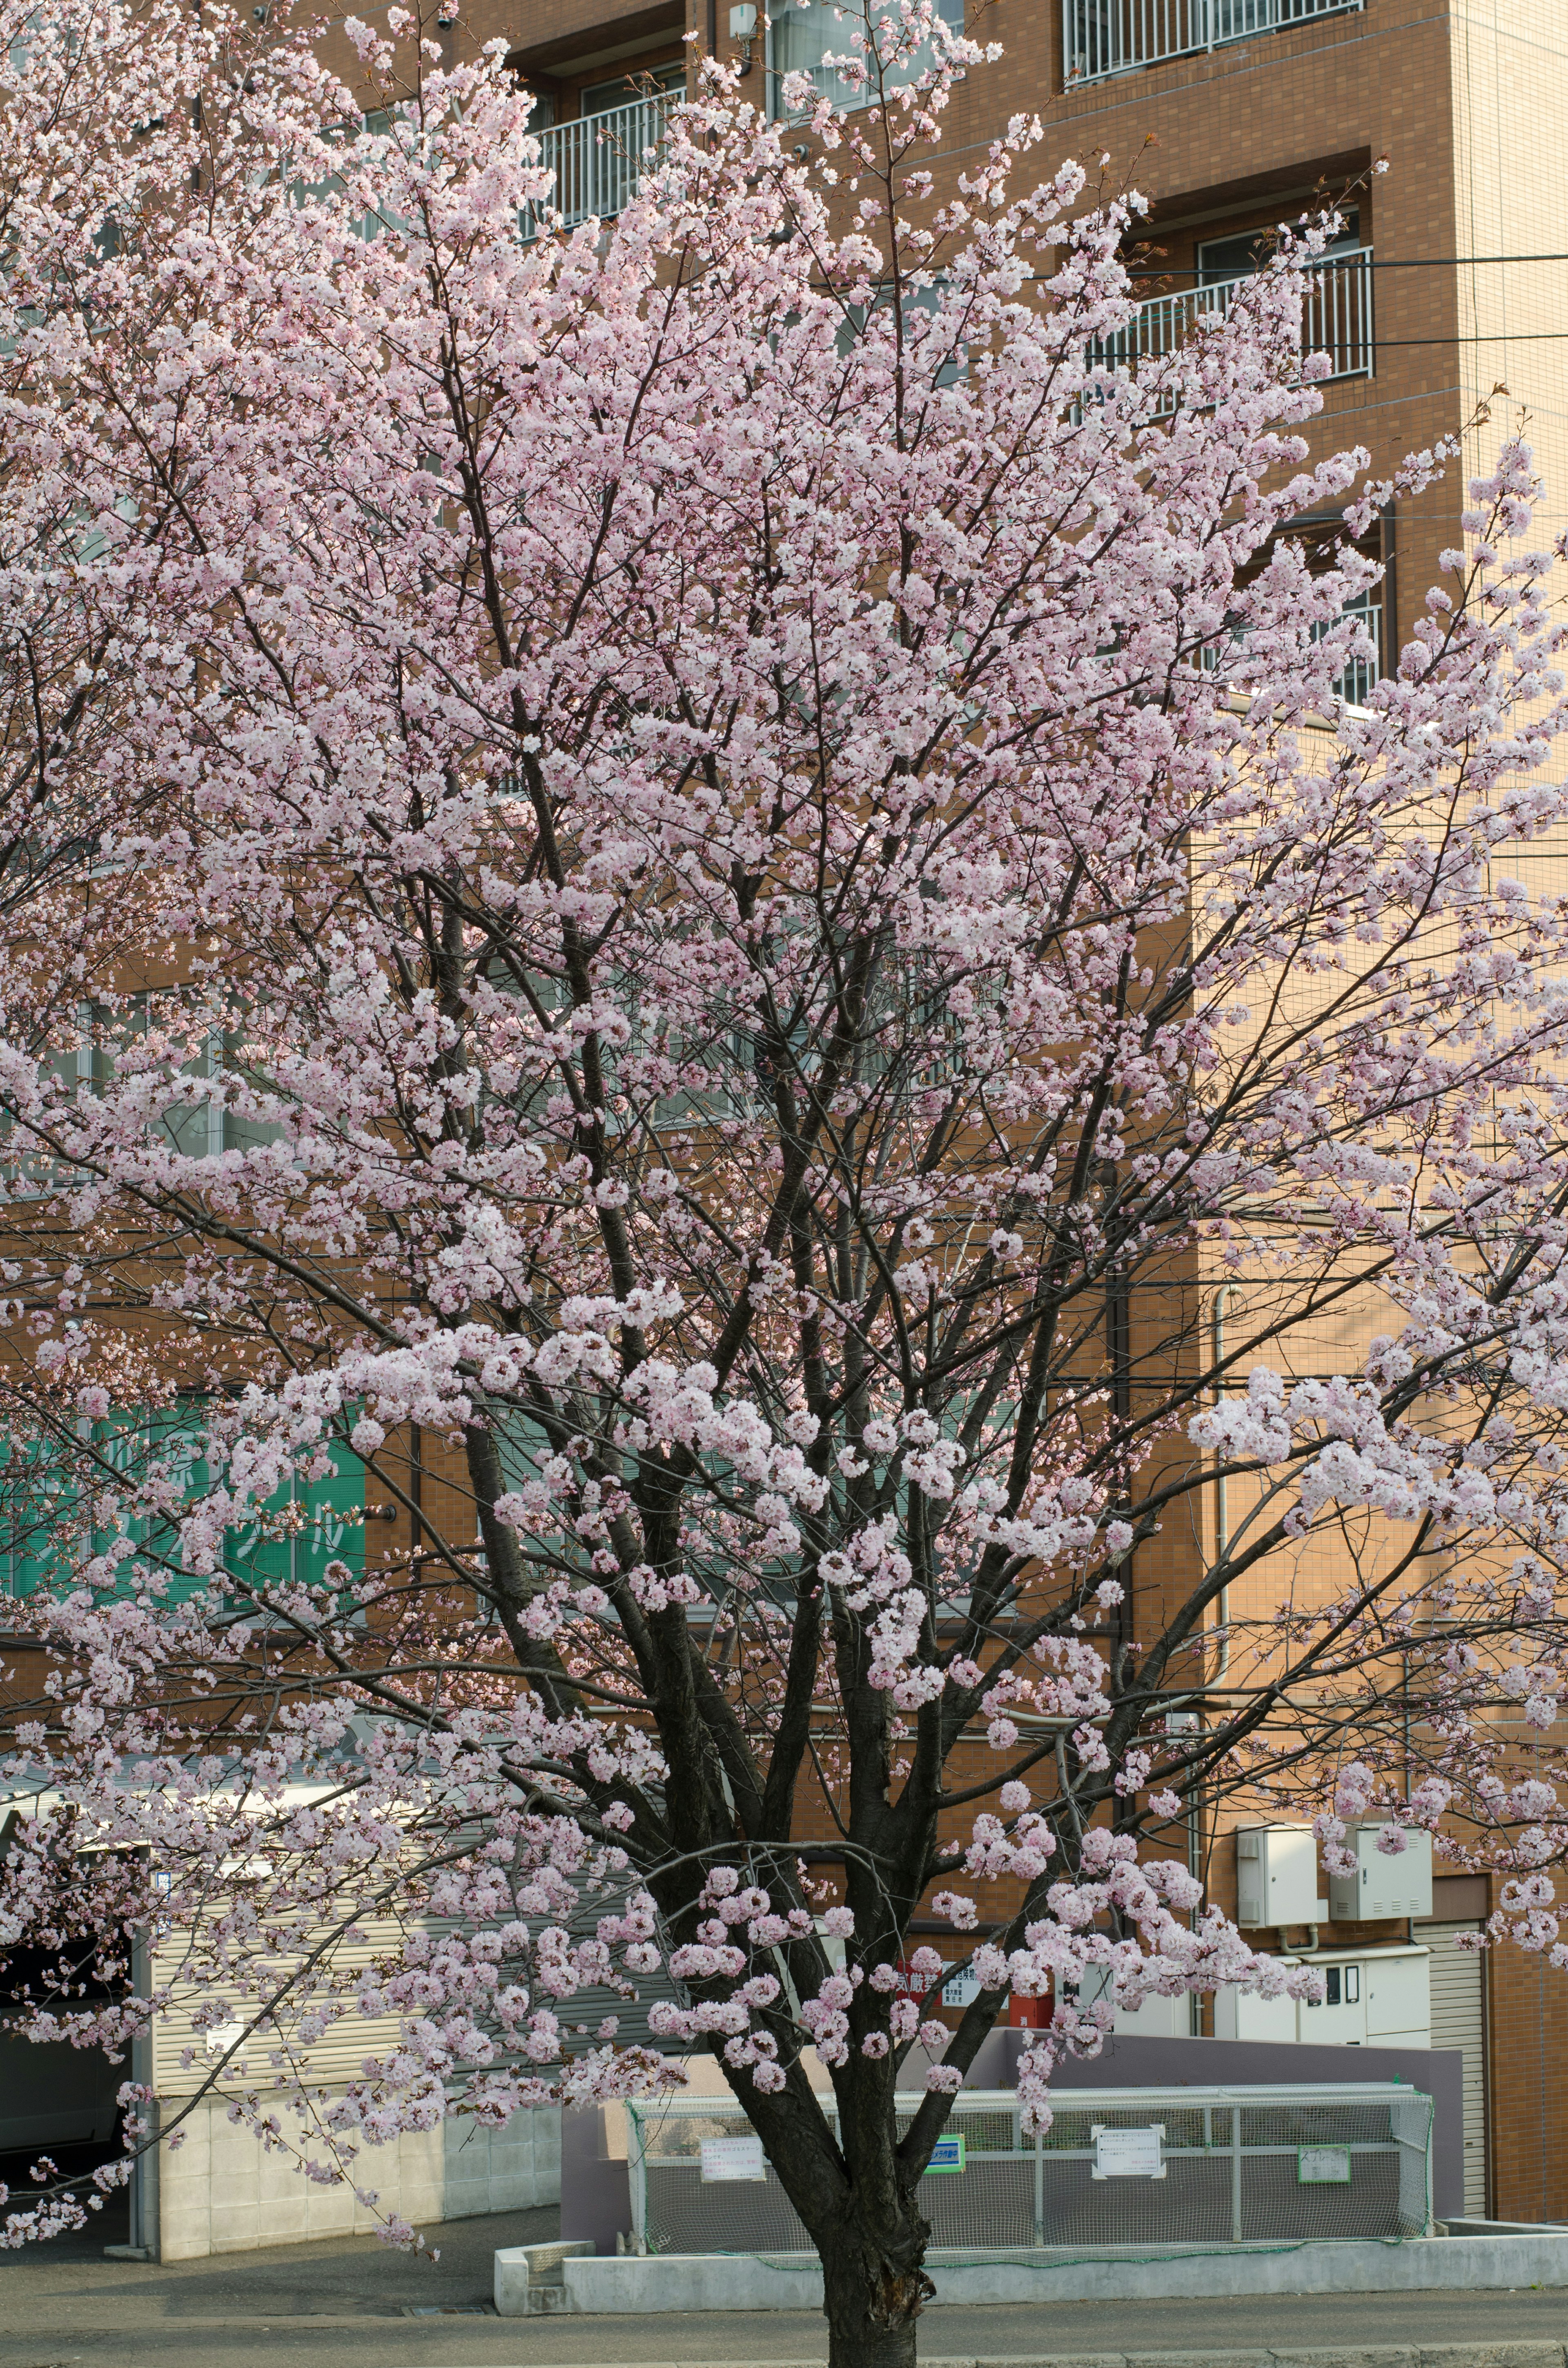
(701, 2281)
(1504, 2355)
(528, 2277)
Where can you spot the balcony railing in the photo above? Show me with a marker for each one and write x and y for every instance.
(1110, 37)
(1357, 678)
(598, 160)
(1337, 317)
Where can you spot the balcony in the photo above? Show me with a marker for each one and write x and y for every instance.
(1100, 38)
(1337, 317)
(597, 160)
(1355, 680)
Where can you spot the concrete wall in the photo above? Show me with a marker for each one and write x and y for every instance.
(219, 2191)
(688, 2282)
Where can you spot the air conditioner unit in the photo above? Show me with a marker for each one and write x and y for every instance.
(1384, 1882)
(1276, 1875)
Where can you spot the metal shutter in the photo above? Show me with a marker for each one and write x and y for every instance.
(1459, 2020)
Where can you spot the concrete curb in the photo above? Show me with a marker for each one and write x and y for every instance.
(1289, 2355)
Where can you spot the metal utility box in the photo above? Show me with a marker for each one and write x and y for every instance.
(1276, 1875)
(1385, 1883)
(1242, 2014)
(1373, 1997)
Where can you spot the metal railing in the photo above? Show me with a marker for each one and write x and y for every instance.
(1337, 317)
(1111, 36)
(598, 160)
(1359, 675)
(1356, 679)
(1207, 2168)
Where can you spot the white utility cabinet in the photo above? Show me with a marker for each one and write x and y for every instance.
(1157, 2017)
(1373, 1998)
(1376, 1998)
(1276, 1875)
(1241, 2014)
(1385, 1883)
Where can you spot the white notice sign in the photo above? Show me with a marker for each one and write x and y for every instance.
(1129, 2154)
(733, 2158)
(1323, 2166)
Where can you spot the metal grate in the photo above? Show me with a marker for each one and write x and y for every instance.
(1117, 2167)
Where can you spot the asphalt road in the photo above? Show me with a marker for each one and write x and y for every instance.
(344, 2304)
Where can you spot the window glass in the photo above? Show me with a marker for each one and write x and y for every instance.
(1249, 250)
(45, 1509)
(303, 1527)
(623, 89)
(801, 36)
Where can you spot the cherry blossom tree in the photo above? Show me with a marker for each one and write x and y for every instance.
(702, 895)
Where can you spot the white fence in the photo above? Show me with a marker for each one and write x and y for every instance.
(1204, 2167)
(598, 160)
(1110, 37)
(1336, 316)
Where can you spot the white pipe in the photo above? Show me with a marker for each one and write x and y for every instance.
(1222, 1502)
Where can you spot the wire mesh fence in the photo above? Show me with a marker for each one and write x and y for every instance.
(1117, 2167)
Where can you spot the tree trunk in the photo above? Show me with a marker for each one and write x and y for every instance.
(872, 2290)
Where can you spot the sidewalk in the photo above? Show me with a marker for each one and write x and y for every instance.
(342, 2304)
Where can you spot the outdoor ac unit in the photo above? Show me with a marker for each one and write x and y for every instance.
(1276, 1875)
(1384, 1884)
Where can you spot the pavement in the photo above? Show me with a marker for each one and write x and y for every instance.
(350, 2303)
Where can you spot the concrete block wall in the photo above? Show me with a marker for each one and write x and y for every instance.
(220, 2192)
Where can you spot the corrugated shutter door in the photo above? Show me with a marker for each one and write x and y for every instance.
(1459, 2020)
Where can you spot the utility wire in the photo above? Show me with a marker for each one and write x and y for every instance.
(1364, 263)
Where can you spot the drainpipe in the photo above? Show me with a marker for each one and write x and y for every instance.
(1222, 1500)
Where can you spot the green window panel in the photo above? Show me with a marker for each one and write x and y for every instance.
(303, 1528)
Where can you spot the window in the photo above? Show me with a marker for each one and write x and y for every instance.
(43, 1525)
(1223, 259)
(952, 366)
(802, 35)
(625, 89)
(302, 1528)
(46, 1488)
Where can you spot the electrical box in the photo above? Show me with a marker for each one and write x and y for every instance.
(1339, 2018)
(1373, 1997)
(1240, 2014)
(1398, 1983)
(1384, 1882)
(1157, 2017)
(1276, 1875)
(1376, 1998)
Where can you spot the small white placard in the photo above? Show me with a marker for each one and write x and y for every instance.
(962, 1987)
(1321, 2166)
(1129, 2154)
(733, 2158)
